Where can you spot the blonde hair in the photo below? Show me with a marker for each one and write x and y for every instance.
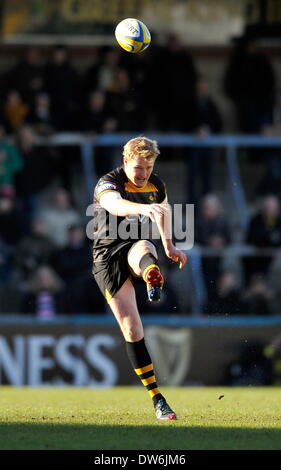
(141, 147)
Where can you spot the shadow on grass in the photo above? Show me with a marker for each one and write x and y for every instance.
(163, 436)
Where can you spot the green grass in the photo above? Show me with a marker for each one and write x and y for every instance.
(123, 418)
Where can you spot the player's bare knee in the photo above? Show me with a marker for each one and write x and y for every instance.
(145, 246)
(132, 330)
(133, 335)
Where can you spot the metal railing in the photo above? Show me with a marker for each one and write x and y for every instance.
(231, 143)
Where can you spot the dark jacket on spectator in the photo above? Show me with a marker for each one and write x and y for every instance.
(32, 251)
(10, 225)
(72, 262)
(206, 113)
(263, 233)
(37, 172)
(63, 86)
(207, 228)
(257, 305)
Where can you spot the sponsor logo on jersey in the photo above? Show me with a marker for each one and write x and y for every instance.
(106, 187)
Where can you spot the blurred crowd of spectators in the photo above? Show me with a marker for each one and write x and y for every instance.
(45, 256)
(160, 88)
(243, 287)
(118, 92)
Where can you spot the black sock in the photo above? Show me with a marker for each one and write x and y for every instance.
(142, 364)
(147, 262)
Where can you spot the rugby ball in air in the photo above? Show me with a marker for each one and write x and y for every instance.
(132, 35)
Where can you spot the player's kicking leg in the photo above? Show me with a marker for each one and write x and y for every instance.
(142, 258)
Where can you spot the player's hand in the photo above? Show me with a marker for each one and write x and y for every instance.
(176, 255)
(154, 211)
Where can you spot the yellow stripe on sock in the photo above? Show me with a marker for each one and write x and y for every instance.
(142, 370)
(148, 381)
(108, 295)
(153, 392)
(147, 269)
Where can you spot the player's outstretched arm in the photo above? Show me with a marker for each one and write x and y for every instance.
(116, 205)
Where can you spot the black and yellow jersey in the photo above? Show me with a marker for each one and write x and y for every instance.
(108, 233)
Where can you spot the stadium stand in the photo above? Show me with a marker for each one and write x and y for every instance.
(62, 127)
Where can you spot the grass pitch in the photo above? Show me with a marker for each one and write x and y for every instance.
(123, 418)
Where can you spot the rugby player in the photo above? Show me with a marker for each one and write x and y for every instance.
(132, 193)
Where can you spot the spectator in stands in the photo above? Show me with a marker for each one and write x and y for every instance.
(264, 231)
(211, 231)
(138, 68)
(206, 113)
(63, 86)
(97, 118)
(15, 110)
(6, 256)
(125, 103)
(40, 117)
(27, 77)
(172, 96)
(10, 224)
(90, 79)
(107, 69)
(34, 249)
(250, 83)
(10, 229)
(206, 121)
(35, 176)
(271, 159)
(74, 265)
(101, 74)
(227, 297)
(10, 162)
(265, 226)
(44, 294)
(74, 260)
(258, 299)
(59, 216)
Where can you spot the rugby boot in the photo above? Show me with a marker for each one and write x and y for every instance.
(163, 411)
(154, 283)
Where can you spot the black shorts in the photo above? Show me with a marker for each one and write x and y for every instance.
(111, 274)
